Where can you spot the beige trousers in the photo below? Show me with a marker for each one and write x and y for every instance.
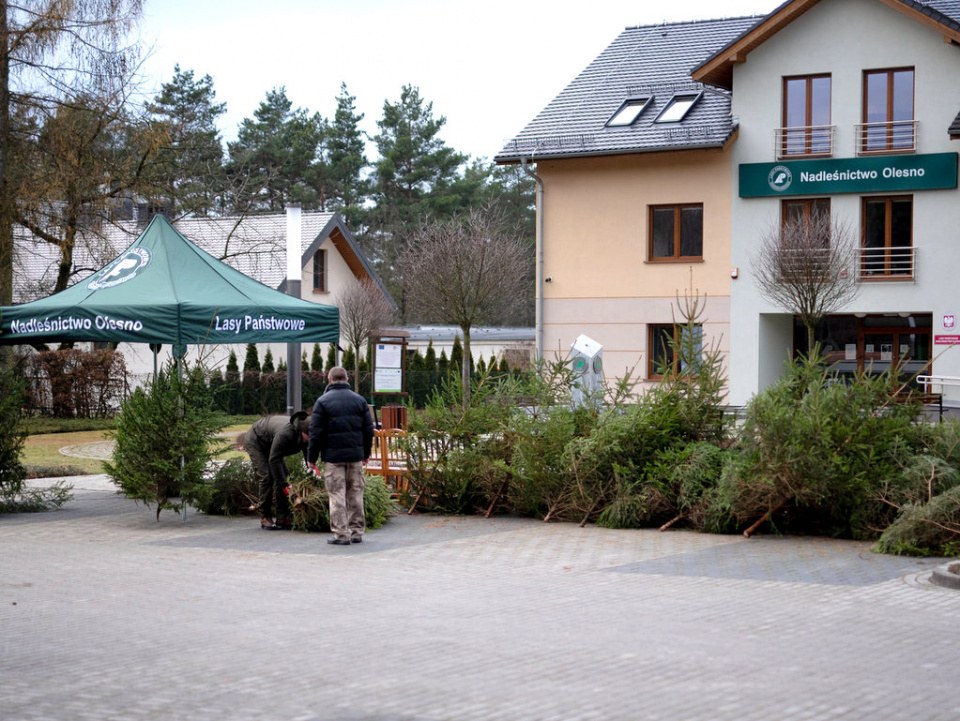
(345, 483)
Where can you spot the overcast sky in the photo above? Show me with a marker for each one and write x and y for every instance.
(488, 66)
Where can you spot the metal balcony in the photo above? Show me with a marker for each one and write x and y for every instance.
(805, 141)
(888, 264)
(899, 136)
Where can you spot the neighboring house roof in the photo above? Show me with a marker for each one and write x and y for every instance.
(717, 70)
(648, 61)
(255, 245)
(954, 129)
(447, 334)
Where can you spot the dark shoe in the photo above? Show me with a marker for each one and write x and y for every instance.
(356, 539)
(285, 525)
(338, 542)
(268, 525)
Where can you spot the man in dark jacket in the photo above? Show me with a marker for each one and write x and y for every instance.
(341, 434)
(268, 443)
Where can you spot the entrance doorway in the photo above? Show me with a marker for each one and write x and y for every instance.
(873, 343)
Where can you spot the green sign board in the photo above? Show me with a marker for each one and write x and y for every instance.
(876, 174)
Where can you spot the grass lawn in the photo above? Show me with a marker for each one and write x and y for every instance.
(42, 456)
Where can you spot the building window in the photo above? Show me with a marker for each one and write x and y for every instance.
(676, 232)
(628, 113)
(806, 116)
(802, 211)
(678, 107)
(320, 271)
(887, 111)
(887, 226)
(669, 350)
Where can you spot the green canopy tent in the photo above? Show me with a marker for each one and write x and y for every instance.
(164, 289)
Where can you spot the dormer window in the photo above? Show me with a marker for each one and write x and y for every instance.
(678, 107)
(628, 113)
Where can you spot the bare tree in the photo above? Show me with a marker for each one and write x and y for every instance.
(363, 312)
(51, 52)
(808, 266)
(466, 270)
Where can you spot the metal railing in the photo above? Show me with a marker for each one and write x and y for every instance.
(897, 136)
(804, 141)
(895, 263)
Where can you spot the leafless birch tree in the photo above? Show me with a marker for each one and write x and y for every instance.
(363, 312)
(808, 266)
(468, 270)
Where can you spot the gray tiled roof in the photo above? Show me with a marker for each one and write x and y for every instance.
(944, 11)
(648, 60)
(255, 245)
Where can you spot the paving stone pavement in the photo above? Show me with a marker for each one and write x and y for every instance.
(108, 614)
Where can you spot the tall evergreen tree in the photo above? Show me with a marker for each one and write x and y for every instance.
(274, 159)
(411, 180)
(344, 143)
(188, 172)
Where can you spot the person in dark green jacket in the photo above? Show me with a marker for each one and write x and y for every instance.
(268, 443)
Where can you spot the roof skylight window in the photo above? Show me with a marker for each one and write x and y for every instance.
(678, 107)
(628, 112)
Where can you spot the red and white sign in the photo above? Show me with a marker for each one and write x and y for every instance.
(949, 321)
(946, 339)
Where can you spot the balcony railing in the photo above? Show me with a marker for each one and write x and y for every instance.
(899, 136)
(880, 264)
(810, 140)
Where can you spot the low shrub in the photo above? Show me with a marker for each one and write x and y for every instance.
(15, 495)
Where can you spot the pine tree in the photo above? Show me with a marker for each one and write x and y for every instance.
(331, 356)
(316, 359)
(344, 144)
(304, 363)
(410, 179)
(188, 172)
(443, 365)
(492, 364)
(274, 156)
(430, 360)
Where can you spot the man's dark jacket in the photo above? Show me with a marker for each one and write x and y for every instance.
(275, 438)
(341, 429)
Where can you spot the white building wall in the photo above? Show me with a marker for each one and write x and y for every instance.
(844, 39)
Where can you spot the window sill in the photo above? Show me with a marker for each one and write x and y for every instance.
(658, 261)
(902, 278)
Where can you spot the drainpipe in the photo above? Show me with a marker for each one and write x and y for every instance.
(539, 314)
(294, 271)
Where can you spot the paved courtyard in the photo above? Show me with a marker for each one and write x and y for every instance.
(107, 614)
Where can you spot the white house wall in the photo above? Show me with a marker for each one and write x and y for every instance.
(844, 39)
